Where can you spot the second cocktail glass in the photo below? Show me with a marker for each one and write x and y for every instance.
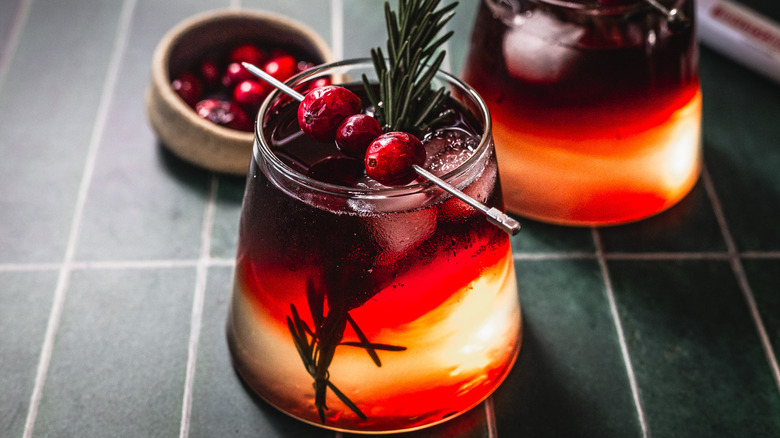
(595, 103)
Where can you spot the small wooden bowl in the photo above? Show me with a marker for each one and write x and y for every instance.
(176, 124)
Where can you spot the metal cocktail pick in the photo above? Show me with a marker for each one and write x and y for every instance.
(494, 215)
(676, 18)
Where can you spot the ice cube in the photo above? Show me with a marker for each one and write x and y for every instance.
(397, 224)
(389, 204)
(480, 189)
(398, 233)
(448, 148)
(540, 48)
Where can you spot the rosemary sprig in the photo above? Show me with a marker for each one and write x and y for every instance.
(405, 100)
(317, 346)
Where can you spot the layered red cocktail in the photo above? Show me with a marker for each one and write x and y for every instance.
(596, 106)
(368, 308)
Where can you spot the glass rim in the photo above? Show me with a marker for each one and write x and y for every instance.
(589, 8)
(261, 148)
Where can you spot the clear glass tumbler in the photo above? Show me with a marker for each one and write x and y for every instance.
(596, 105)
(364, 308)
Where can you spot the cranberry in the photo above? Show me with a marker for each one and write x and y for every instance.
(224, 113)
(248, 53)
(209, 71)
(188, 87)
(234, 74)
(249, 94)
(337, 170)
(323, 109)
(390, 157)
(355, 133)
(282, 67)
(303, 65)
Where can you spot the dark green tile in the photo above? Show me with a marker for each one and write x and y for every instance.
(764, 279)
(769, 8)
(367, 19)
(25, 304)
(8, 14)
(143, 203)
(461, 23)
(222, 405)
(120, 355)
(537, 237)
(230, 194)
(49, 101)
(741, 135)
(695, 350)
(570, 379)
(315, 14)
(689, 226)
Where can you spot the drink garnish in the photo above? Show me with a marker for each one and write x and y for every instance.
(355, 133)
(324, 108)
(406, 101)
(390, 157)
(496, 217)
(316, 346)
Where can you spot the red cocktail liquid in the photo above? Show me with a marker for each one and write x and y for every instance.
(596, 115)
(371, 315)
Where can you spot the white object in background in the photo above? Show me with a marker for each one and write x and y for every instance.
(741, 34)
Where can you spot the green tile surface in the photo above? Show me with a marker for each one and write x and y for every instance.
(116, 257)
(127, 343)
(697, 357)
(222, 405)
(8, 12)
(45, 135)
(569, 379)
(26, 298)
(743, 167)
(230, 193)
(763, 276)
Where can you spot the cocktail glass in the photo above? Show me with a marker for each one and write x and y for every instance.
(366, 308)
(595, 103)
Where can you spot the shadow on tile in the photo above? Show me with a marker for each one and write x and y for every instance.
(181, 170)
(749, 199)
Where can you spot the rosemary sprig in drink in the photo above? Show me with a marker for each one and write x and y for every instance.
(405, 100)
(317, 345)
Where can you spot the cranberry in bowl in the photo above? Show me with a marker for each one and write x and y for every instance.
(201, 106)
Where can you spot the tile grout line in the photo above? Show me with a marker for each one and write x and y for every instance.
(65, 270)
(18, 23)
(337, 28)
(201, 278)
(739, 272)
(490, 417)
(759, 254)
(574, 255)
(619, 328)
(217, 261)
